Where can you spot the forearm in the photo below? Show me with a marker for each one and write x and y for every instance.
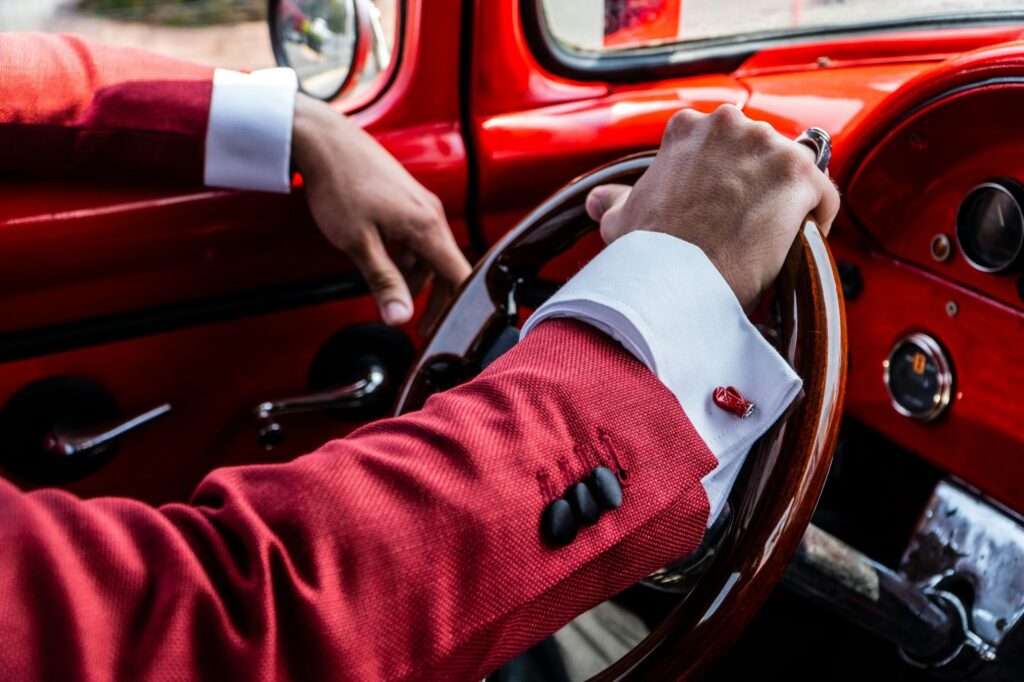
(409, 549)
(76, 109)
(79, 109)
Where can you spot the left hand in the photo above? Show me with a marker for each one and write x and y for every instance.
(361, 198)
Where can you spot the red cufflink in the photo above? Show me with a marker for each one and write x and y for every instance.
(731, 400)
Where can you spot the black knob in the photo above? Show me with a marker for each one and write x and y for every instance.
(270, 435)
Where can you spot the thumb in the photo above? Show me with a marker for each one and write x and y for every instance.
(604, 204)
(384, 279)
(603, 197)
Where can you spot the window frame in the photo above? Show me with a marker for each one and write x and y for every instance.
(713, 55)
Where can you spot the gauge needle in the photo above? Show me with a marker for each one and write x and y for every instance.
(1002, 221)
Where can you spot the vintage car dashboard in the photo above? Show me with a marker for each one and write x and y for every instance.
(937, 308)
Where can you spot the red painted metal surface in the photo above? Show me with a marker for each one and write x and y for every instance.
(909, 189)
(837, 100)
(525, 155)
(913, 47)
(534, 130)
(981, 438)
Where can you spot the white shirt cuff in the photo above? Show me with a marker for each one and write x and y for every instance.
(249, 136)
(667, 304)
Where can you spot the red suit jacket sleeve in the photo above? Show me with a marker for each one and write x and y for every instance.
(409, 550)
(71, 108)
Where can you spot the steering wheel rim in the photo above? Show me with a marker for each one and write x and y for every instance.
(775, 496)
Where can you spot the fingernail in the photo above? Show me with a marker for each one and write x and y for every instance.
(396, 312)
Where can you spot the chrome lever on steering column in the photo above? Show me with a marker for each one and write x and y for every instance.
(84, 444)
(357, 394)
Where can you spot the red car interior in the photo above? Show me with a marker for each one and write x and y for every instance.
(215, 301)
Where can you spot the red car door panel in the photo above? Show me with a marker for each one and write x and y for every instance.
(210, 300)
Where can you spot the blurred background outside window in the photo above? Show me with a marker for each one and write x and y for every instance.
(599, 25)
(226, 33)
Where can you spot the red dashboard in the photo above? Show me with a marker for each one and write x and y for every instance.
(948, 131)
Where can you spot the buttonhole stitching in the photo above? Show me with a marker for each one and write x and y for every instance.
(620, 469)
(544, 483)
(566, 471)
(587, 458)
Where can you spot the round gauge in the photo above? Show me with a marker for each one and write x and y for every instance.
(919, 377)
(990, 226)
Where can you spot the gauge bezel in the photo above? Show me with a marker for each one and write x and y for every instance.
(1013, 190)
(937, 354)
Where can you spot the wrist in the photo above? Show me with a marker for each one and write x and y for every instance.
(310, 125)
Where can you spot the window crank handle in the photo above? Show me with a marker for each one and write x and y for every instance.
(88, 443)
(359, 393)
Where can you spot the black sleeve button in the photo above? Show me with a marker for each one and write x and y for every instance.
(584, 506)
(557, 525)
(604, 484)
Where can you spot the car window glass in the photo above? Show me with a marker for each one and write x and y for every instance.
(604, 25)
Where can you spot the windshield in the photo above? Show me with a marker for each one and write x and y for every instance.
(618, 24)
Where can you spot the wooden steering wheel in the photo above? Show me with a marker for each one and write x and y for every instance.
(774, 498)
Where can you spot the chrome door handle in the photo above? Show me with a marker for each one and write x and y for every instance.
(357, 394)
(88, 443)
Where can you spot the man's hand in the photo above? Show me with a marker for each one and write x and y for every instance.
(734, 187)
(361, 197)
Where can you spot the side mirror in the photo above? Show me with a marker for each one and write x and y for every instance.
(327, 42)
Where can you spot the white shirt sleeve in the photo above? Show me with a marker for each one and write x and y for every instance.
(667, 304)
(249, 135)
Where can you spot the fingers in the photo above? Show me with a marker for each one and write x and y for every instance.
(439, 250)
(384, 278)
(827, 195)
(604, 204)
(413, 268)
(602, 198)
(431, 237)
(828, 206)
